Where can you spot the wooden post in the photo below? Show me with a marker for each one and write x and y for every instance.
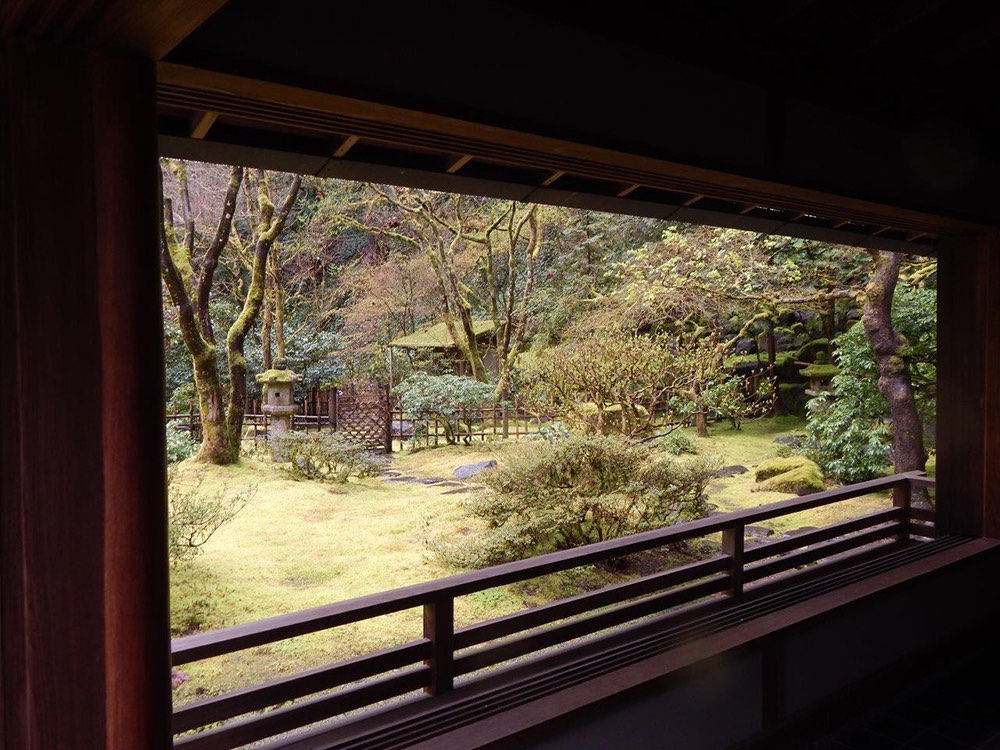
(902, 495)
(84, 638)
(968, 420)
(439, 629)
(732, 545)
(387, 420)
(504, 417)
(334, 408)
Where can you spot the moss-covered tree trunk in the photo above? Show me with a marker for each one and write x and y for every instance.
(221, 412)
(894, 382)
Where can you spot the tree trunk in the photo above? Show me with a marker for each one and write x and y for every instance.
(265, 332)
(894, 372)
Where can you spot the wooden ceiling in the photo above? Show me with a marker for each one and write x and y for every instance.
(855, 122)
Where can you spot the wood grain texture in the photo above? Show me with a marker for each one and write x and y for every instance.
(277, 106)
(83, 578)
(968, 429)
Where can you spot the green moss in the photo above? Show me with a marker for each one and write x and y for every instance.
(801, 481)
(820, 371)
(775, 466)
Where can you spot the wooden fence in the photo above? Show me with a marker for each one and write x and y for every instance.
(441, 653)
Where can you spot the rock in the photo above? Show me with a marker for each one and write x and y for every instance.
(792, 397)
(457, 491)
(758, 532)
(390, 473)
(801, 481)
(730, 471)
(772, 467)
(470, 470)
(540, 420)
(793, 440)
(745, 346)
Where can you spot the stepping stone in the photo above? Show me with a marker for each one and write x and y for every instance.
(457, 491)
(470, 470)
(391, 473)
(730, 471)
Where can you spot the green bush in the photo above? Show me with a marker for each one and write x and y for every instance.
(443, 398)
(180, 446)
(327, 457)
(577, 491)
(677, 443)
(195, 514)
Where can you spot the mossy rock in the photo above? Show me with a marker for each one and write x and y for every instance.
(804, 480)
(772, 467)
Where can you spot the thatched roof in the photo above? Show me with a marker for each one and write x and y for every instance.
(437, 337)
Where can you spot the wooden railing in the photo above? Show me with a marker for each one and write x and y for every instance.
(442, 653)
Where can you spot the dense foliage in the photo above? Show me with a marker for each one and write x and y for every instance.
(577, 491)
(849, 429)
(444, 399)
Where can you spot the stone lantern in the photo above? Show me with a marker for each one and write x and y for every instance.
(820, 374)
(278, 402)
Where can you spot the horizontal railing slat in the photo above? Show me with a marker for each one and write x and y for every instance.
(473, 635)
(819, 551)
(923, 514)
(229, 705)
(302, 714)
(515, 647)
(204, 645)
(770, 549)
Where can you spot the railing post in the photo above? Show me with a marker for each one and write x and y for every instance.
(732, 545)
(902, 494)
(439, 629)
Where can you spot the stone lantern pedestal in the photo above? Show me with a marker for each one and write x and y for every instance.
(278, 403)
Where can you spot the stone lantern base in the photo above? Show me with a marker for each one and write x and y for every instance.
(281, 422)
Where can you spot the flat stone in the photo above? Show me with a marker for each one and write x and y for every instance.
(793, 440)
(470, 470)
(758, 532)
(430, 480)
(390, 473)
(730, 471)
(457, 491)
(449, 483)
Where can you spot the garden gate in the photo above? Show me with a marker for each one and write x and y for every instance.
(361, 411)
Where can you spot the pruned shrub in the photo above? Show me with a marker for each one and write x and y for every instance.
(796, 475)
(577, 491)
(327, 457)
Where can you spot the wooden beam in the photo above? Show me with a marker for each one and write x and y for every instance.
(747, 208)
(456, 164)
(153, 28)
(692, 200)
(841, 223)
(552, 178)
(346, 145)
(628, 189)
(201, 123)
(913, 236)
(879, 231)
(299, 109)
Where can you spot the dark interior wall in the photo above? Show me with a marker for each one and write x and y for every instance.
(493, 63)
